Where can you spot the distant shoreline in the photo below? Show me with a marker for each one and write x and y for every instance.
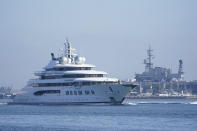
(162, 97)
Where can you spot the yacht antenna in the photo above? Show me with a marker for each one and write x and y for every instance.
(67, 49)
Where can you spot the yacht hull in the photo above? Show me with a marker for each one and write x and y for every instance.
(107, 93)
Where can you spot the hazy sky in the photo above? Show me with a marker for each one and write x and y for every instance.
(111, 34)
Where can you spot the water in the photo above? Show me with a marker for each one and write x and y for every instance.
(135, 115)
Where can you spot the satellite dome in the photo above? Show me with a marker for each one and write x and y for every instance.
(80, 60)
(64, 60)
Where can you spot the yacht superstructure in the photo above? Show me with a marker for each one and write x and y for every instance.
(69, 80)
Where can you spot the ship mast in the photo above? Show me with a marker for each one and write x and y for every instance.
(180, 71)
(70, 52)
(148, 64)
(67, 49)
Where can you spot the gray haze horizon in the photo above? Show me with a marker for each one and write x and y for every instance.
(113, 35)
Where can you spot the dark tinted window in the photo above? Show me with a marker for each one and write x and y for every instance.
(92, 91)
(79, 92)
(87, 92)
(67, 92)
(39, 93)
(72, 84)
(68, 68)
(72, 76)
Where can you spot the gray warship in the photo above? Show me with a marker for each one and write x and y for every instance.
(160, 81)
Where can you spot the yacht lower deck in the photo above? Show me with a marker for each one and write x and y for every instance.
(73, 94)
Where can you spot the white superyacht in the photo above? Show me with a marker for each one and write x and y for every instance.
(68, 80)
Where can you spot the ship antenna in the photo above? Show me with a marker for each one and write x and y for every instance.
(149, 64)
(180, 71)
(67, 49)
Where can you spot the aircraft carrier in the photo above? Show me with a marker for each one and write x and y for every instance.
(160, 81)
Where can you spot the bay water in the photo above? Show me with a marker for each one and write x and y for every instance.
(133, 115)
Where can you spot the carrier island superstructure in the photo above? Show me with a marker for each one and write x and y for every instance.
(160, 81)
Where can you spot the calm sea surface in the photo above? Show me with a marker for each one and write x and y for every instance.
(134, 115)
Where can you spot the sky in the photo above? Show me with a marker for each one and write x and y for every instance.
(112, 34)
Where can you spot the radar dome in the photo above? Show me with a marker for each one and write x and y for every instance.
(80, 60)
(64, 60)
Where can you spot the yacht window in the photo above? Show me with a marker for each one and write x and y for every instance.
(67, 92)
(69, 68)
(71, 84)
(87, 92)
(72, 76)
(71, 92)
(92, 91)
(39, 93)
(75, 92)
(79, 92)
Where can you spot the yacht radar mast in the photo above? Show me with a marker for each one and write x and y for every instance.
(69, 51)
